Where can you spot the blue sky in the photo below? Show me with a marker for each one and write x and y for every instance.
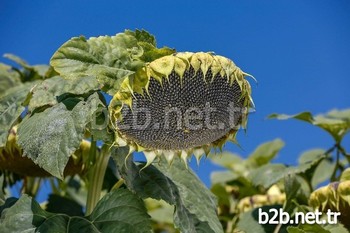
(299, 51)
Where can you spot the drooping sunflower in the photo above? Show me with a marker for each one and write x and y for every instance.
(181, 104)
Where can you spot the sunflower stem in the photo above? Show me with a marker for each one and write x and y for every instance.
(118, 184)
(96, 178)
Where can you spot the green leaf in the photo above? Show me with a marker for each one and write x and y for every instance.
(63, 205)
(30, 72)
(335, 228)
(8, 78)
(311, 155)
(327, 228)
(345, 175)
(117, 211)
(226, 159)
(322, 172)
(222, 177)
(48, 92)
(221, 194)
(291, 229)
(336, 122)
(195, 206)
(50, 137)
(108, 58)
(121, 211)
(268, 174)
(292, 187)
(18, 218)
(142, 36)
(303, 116)
(160, 211)
(248, 221)
(11, 108)
(194, 195)
(265, 152)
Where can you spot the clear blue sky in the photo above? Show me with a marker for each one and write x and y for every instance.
(298, 50)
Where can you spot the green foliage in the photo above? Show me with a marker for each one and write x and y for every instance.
(256, 182)
(11, 108)
(118, 211)
(55, 128)
(336, 123)
(178, 186)
(109, 59)
(57, 133)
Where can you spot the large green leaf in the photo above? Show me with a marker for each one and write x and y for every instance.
(265, 152)
(269, 174)
(117, 211)
(11, 108)
(336, 122)
(50, 137)
(49, 91)
(18, 218)
(8, 78)
(108, 58)
(195, 206)
(323, 171)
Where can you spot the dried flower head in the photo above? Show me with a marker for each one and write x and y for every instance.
(181, 104)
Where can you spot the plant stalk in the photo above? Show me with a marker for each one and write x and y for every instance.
(96, 178)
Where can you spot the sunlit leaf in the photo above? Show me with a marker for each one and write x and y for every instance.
(336, 122)
(50, 137)
(160, 211)
(303, 116)
(310, 155)
(265, 152)
(29, 72)
(222, 177)
(11, 108)
(109, 59)
(8, 78)
(322, 173)
(226, 159)
(269, 174)
(345, 175)
(49, 91)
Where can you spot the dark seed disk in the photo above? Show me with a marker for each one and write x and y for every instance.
(185, 115)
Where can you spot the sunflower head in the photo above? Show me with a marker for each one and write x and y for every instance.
(181, 104)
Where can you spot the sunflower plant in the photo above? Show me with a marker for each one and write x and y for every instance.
(75, 124)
